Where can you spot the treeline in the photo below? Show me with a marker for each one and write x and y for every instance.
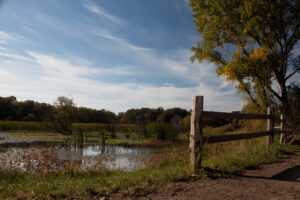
(13, 110)
(148, 115)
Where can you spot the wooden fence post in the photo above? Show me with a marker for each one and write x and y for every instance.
(270, 127)
(282, 128)
(196, 133)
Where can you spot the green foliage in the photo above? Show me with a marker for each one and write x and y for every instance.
(221, 130)
(63, 115)
(251, 43)
(13, 110)
(186, 122)
(88, 115)
(143, 116)
(162, 131)
(170, 115)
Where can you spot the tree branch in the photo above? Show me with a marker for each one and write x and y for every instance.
(250, 95)
(294, 72)
(274, 92)
(256, 38)
(240, 42)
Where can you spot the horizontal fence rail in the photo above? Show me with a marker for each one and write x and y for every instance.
(238, 136)
(224, 115)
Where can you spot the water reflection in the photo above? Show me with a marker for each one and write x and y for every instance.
(58, 156)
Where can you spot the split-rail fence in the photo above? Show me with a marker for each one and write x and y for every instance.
(197, 140)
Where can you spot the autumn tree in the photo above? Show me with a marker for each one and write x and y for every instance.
(251, 42)
(63, 115)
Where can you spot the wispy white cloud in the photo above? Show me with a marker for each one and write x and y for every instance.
(121, 41)
(61, 67)
(30, 30)
(92, 7)
(15, 56)
(65, 68)
(6, 37)
(175, 62)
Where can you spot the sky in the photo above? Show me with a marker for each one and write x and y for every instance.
(112, 55)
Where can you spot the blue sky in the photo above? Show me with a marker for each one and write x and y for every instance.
(113, 55)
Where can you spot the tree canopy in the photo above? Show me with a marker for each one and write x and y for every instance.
(251, 42)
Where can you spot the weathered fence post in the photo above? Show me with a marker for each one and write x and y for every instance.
(282, 128)
(270, 127)
(196, 133)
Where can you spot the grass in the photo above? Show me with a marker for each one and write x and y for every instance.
(234, 157)
(221, 130)
(87, 183)
(39, 134)
(137, 141)
(85, 127)
(223, 159)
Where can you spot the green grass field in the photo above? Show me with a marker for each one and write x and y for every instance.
(85, 127)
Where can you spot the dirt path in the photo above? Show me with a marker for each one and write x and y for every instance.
(270, 182)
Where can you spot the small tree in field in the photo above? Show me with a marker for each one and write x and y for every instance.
(63, 115)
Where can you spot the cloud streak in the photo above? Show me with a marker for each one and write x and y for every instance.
(121, 41)
(28, 29)
(6, 37)
(96, 9)
(15, 56)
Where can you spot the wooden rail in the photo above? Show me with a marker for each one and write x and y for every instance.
(233, 137)
(224, 115)
(197, 140)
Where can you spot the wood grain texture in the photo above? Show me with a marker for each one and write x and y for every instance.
(196, 133)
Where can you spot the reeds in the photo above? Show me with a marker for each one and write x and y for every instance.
(85, 127)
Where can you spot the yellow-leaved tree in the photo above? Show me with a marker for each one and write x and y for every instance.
(251, 42)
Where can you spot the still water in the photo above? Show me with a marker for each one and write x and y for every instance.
(46, 156)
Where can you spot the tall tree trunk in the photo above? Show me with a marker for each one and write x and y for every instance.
(287, 113)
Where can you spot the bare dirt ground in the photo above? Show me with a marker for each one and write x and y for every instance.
(277, 181)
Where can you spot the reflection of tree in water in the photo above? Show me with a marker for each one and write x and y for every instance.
(102, 148)
(126, 158)
(77, 150)
(60, 156)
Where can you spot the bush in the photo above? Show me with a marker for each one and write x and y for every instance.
(161, 131)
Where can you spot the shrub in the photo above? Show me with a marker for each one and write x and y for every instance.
(161, 131)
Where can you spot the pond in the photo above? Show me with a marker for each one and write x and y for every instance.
(46, 154)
